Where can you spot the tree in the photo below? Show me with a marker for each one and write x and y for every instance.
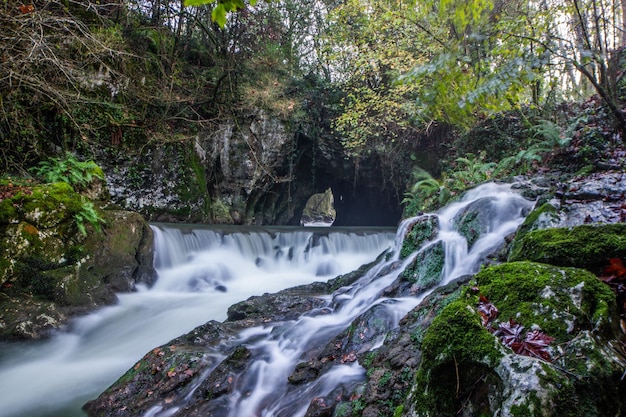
(221, 8)
(474, 67)
(494, 55)
(368, 45)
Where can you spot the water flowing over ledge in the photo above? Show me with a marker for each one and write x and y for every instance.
(202, 271)
(275, 350)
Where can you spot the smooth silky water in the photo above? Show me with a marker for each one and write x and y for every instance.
(263, 390)
(201, 272)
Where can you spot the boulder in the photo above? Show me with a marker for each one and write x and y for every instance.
(466, 369)
(50, 271)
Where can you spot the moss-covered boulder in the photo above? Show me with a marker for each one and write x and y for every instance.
(467, 370)
(585, 246)
(422, 229)
(425, 271)
(50, 269)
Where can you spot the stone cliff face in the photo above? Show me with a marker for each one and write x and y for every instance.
(253, 169)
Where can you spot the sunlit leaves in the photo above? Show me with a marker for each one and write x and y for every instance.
(221, 9)
(476, 66)
(369, 45)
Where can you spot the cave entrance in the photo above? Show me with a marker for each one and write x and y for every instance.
(319, 210)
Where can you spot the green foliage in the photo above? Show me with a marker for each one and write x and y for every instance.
(428, 193)
(546, 138)
(368, 45)
(474, 68)
(79, 174)
(221, 9)
(87, 215)
(425, 194)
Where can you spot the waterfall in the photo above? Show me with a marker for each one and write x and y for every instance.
(263, 388)
(201, 272)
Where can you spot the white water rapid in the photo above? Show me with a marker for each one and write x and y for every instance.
(263, 390)
(201, 272)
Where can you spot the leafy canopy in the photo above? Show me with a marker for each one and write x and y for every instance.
(474, 67)
(222, 8)
(368, 46)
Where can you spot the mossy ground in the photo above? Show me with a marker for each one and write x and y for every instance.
(561, 301)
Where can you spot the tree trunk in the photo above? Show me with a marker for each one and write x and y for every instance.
(622, 30)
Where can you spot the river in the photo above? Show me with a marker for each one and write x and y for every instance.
(202, 270)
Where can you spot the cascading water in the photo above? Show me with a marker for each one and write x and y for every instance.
(201, 272)
(263, 389)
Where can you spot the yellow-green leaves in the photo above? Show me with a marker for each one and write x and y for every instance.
(221, 9)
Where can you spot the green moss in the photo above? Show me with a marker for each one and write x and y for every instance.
(469, 227)
(558, 300)
(200, 178)
(425, 270)
(457, 334)
(342, 410)
(537, 218)
(424, 229)
(586, 246)
(530, 408)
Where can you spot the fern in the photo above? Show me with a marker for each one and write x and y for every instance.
(424, 193)
(549, 134)
(70, 170)
(88, 215)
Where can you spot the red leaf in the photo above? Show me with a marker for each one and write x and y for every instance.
(615, 271)
(535, 343)
(510, 333)
(488, 311)
(27, 9)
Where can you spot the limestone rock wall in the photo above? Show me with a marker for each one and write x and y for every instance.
(251, 169)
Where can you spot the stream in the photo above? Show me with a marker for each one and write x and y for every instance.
(201, 272)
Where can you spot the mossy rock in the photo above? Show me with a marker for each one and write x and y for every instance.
(57, 272)
(586, 246)
(43, 205)
(455, 345)
(465, 367)
(475, 220)
(424, 228)
(426, 269)
(542, 217)
(560, 301)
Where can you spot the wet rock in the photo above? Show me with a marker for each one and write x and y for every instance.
(424, 272)
(392, 366)
(164, 374)
(596, 198)
(423, 229)
(50, 271)
(271, 308)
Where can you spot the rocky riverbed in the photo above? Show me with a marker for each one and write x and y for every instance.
(563, 353)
